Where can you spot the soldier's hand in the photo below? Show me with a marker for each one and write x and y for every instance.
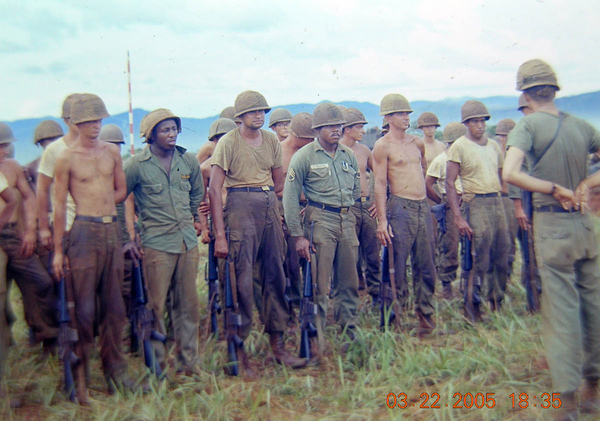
(582, 194)
(198, 228)
(45, 236)
(303, 248)
(59, 263)
(463, 226)
(372, 211)
(565, 197)
(221, 248)
(522, 218)
(204, 208)
(384, 233)
(29, 243)
(205, 238)
(132, 250)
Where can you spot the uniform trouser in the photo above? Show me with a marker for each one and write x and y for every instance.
(448, 248)
(36, 285)
(366, 231)
(5, 335)
(96, 260)
(256, 237)
(567, 251)
(334, 238)
(412, 227)
(513, 229)
(174, 274)
(487, 219)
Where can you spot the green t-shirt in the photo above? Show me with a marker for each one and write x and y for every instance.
(565, 163)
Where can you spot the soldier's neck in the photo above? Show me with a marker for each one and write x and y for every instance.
(70, 137)
(347, 141)
(429, 140)
(298, 143)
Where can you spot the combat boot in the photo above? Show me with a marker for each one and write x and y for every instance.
(447, 291)
(248, 369)
(590, 401)
(282, 356)
(568, 408)
(426, 324)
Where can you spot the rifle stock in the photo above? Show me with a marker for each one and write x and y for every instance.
(467, 275)
(67, 337)
(533, 299)
(308, 309)
(233, 319)
(212, 278)
(389, 311)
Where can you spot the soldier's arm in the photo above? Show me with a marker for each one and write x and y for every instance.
(204, 152)
(370, 160)
(452, 170)
(10, 204)
(30, 207)
(197, 191)
(380, 159)
(292, 193)
(43, 193)
(217, 178)
(120, 182)
(278, 179)
(357, 188)
(431, 193)
(61, 190)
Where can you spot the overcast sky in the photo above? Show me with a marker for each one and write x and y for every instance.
(194, 56)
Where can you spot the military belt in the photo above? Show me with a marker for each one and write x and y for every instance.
(497, 194)
(363, 199)
(327, 207)
(553, 209)
(302, 203)
(99, 219)
(504, 194)
(250, 189)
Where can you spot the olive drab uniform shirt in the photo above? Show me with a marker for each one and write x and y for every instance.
(332, 181)
(168, 203)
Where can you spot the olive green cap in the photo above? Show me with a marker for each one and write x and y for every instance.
(394, 103)
(153, 118)
(6, 134)
(504, 126)
(88, 107)
(522, 102)
(473, 109)
(279, 115)
(68, 103)
(221, 126)
(250, 101)
(535, 73)
(47, 129)
(427, 119)
(353, 116)
(453, 131)
(327, 114)
(112, 133)
(301, 126)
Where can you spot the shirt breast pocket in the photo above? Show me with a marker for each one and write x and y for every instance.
(152, 193)
(185, 185)
(349, 176)
(321, 179)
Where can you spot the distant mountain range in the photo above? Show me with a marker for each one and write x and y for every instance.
(195, 130)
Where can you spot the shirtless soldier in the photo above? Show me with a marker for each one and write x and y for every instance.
(92, 172)
(428, 123)
(279, 122)
(366, 225)
(406, 220)
(216, 131)
(248, 162)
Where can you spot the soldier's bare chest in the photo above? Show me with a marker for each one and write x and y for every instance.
(404, 153)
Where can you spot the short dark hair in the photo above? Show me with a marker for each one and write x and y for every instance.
(541, 93)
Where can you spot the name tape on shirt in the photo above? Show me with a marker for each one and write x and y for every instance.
(317, 166)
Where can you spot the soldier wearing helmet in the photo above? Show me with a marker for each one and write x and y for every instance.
(329, 176)
(300, 134)
(478, 161)
(92, 172)
(556, 146)
(279, 122)
(523, 107)
(46, 169)
(364, 207)
(428, 124)
(447, 233)
(247, 161)
(400, 161)
(217, 130)
(166, 182)
(45, 133)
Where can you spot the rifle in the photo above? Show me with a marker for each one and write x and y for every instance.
(388, 305)
(533, 299)
(233, 319)
(471, 297)
(308, 309)
(67, 338)
(142, 320)
(212, 278)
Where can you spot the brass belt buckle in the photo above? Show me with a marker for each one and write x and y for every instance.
(363, 199)
(265, 188)
(107, 219)
(344, 210)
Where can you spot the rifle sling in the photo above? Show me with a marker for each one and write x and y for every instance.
(561, 116)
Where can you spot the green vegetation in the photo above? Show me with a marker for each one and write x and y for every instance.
(504, 355)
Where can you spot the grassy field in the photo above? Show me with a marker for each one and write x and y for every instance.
(504, 355)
